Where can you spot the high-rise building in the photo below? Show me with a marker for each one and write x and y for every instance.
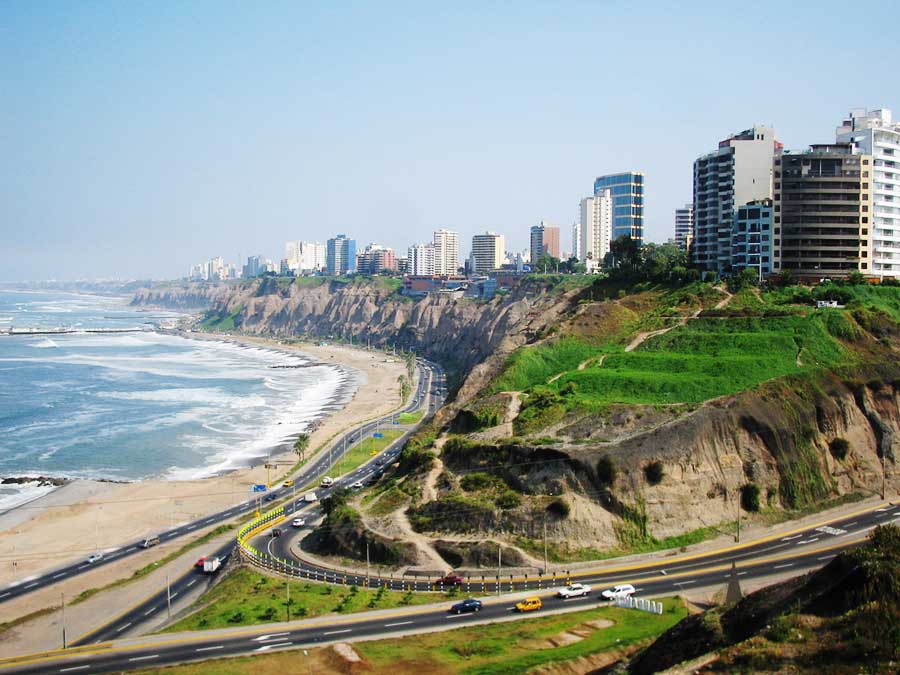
(740, 171)
(627, 192)
(684, 226)
(420, 260)
(544, 241)
(751, 238)
(446, 252)
(875, 133)
(576, 239)
(376, 259)
(255, 266)
(340, 256)
(822, 220)
(595, 235)
(488, 252)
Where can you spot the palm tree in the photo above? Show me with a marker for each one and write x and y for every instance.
(301, 445)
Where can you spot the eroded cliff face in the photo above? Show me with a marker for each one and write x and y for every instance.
(458, 333)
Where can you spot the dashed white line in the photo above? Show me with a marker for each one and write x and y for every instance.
(399, 623)
(685, 583)
(266, 648)
(121, 628)
(209, 649)
(338, 632)
(174, 594)
(144, 658)
(826, 557)
(32, 584)
(796, 536)
(778, 567)
(57, 576)
(150, 611)
(73, 668)
(4, 595)
(130, 549)
(807, 541)
(191, 583)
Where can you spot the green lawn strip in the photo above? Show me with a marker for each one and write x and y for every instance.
(410, 418)
(363, 451)
(389, 501)
(147, 569)
(502, 647)
(246, 598)
(563, 554)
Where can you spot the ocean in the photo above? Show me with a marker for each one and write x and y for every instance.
(145, 404)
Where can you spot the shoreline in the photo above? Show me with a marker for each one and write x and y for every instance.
(86, 515)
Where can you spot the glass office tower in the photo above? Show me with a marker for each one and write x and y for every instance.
(627, 191)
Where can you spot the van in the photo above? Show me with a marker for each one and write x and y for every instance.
(150, 541)
(310, 497)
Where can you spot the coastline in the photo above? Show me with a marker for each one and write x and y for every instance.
(85, 515)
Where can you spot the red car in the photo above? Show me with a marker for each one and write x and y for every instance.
(450, 580)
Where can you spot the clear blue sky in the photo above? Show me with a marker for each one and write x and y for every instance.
(139, 137)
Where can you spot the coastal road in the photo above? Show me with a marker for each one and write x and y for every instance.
(161, 650)
(430, 393)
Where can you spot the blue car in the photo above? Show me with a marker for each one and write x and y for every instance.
(467, 605)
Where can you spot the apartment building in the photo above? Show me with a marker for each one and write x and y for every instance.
(627, 193)
(446, 252)
(488, 252)
(420, 260)
(376, 259)
(684, 226)
(544, 241)
(822, 212)
(596, 229)
(751, 238)
(875, 133)
(340, 255)
(738, 172)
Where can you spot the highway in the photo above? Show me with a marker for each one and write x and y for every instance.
(791, 551)
(310, 473)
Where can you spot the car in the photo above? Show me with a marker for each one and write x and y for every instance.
(529, 605)
(357, 485)
(270, 497)
(327, 481)
(467, 605)
(574, 591)
(450, 580)
(379, 460)
(310, 497)
(200, 562)
(288, 483)
(298, 522)
(150, 541)
(94, 557)
(276, 532)
(617, 592)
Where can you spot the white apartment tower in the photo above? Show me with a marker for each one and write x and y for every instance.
(738, 172)
(595, 231)
(875, 133)
(446, 252)
(488, 251)
(684, 226)
(421, 260)
(305, 256)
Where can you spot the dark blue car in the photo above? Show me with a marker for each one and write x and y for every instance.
(467, 605)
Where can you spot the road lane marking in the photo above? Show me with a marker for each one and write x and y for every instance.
(57, 576)
(209, 649)
(130, 549)
(796, 536)
(144, 658)
(685, 583)
(826, 557)
(399, 623)
(807, 541)
(174, 594)
(266, 648)
(5, 594)
(778, 567)
(121, 628)
(31, 585)
(337, 632)
(268, 636)
(150, 611)
(73, 668)
(192, 582)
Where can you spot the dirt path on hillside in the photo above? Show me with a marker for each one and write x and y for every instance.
(640, 338)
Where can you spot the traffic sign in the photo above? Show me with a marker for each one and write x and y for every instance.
(378, 434)
(259, 488)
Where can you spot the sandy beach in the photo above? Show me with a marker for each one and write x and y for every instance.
(82, 516)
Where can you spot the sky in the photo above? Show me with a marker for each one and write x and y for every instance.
(139, 138)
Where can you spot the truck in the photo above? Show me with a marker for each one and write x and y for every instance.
(211, 564)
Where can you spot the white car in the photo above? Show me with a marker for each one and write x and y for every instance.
(328, 481)
(310, 497)
(357, 485)
(618, 592)
(573, 591)
(298, 522)
(94, 557)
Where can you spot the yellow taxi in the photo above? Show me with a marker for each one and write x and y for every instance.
(529, 605)
(288, 483)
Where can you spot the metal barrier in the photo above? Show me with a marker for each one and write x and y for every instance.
(630, 602)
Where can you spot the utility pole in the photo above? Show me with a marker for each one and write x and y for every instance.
(545, 545)
(168, 598)
(367, 563)
(499, 565)
(62, 599)
(287, 585)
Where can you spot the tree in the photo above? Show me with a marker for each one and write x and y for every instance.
(546, 264)
(660, 262)
(301, 445)
(856, 278)
(626, 255)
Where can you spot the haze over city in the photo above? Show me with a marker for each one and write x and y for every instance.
(141, 138)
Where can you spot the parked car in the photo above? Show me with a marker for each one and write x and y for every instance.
(618, 592)
(529, 605)
(150, 541)
(288, 483)
(467, 605)
(574, 591)
(450, 580)
(94, 557)
(276, 531)
(298, 522)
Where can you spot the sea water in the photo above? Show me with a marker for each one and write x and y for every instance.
(144, 404)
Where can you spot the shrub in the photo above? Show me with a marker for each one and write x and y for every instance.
(839, 448)
(606, 471)
(750, 497)
(559, 507)
(510, 499)
(478, 480)
(654, 472)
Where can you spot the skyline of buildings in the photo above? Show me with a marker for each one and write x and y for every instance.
(544, 240)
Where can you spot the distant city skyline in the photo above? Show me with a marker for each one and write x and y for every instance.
(141, 139)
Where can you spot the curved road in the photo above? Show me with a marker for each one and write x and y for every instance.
(310, 473)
